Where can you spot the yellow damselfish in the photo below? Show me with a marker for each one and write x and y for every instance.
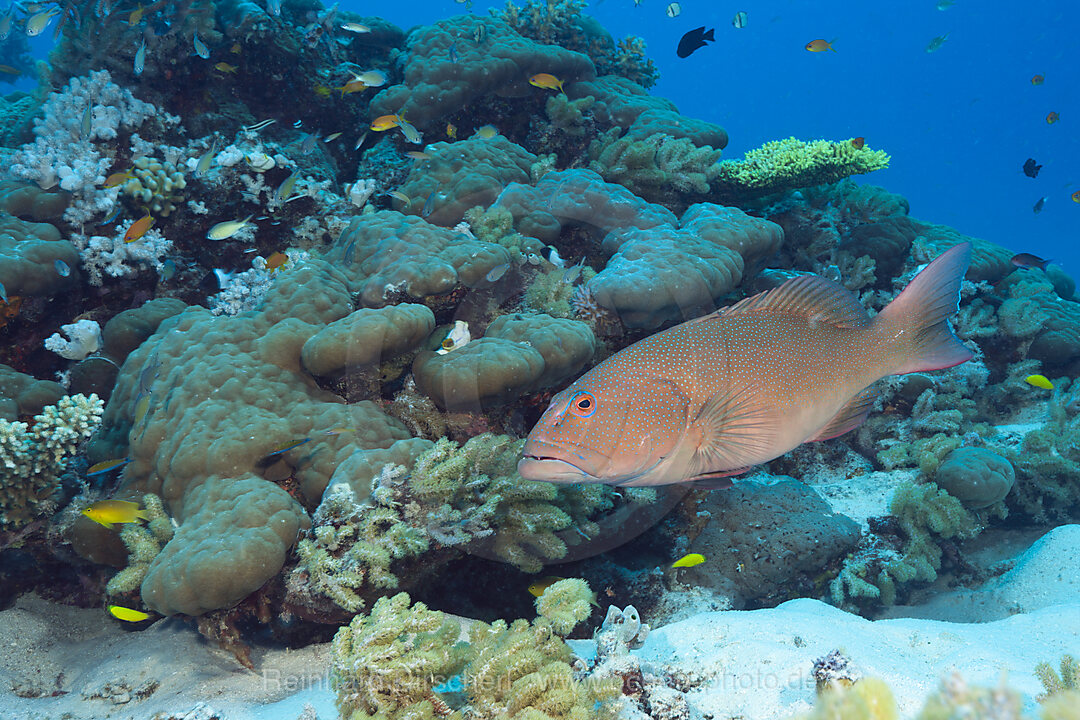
(1039, 381)
(111, 512)
(127, 614)
(537, 588)
(689, 560)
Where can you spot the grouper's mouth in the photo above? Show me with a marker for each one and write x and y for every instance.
(545, 468)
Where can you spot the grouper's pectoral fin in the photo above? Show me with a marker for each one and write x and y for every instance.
(850, 416)
(733, 432)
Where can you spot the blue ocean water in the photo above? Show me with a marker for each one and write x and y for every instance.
(958, 122)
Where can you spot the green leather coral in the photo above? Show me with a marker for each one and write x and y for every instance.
(392, 662)
(789, 164)
(388, 663)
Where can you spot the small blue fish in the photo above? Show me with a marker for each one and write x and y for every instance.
(200, 47)
(429, 204)
(168, 270)
(113, 214)
(140, 59)
(287, 447)
(107, 466)
(62, 268)
(3, 293)
(453, 52)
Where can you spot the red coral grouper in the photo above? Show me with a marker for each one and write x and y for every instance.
(743, 385)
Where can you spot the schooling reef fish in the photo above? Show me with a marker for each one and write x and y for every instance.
(1031, 168)
(1027, 260)
(935, 44)
(820, 45)
(717, 395)
(694, 40)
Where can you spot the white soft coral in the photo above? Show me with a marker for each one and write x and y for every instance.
(62, 154)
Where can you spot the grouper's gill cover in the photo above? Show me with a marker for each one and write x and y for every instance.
(716, 395)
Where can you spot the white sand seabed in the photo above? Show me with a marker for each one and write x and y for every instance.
(761, 660)
(46, 647)
(756, 664)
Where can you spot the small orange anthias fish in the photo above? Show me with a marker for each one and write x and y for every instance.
(138, 229)
(715, 396)
(858, 143)
(385, 122)
(547, 81)
(1051, 118)
(118, 178)
(820, 45)
(1037, 79)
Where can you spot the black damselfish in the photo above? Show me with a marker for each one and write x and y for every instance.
(693, 40)
(1031, 168)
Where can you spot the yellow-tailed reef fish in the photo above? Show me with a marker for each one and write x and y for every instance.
(715, 396)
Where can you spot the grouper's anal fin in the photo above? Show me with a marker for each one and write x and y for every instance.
(849, 417)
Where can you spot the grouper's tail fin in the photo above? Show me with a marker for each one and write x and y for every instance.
(915, 325)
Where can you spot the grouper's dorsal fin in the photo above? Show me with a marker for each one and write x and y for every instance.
(809, 296)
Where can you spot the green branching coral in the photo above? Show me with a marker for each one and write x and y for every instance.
(926, 514)
(496, 225)
(1048, 461)
(387, 664)
(33, 456)
(657, 168)
(353, 544)
(789, 164)
(474, 492)
(440, 495)
(566, 604)
(569, 115)
(866, 699)
(550, 293)
(955, 699)
(522, 670)
(1068, 680)
(143, 545)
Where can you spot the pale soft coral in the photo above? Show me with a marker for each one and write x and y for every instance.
(63, 154)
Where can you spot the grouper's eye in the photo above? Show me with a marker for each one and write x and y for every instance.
(583, 404)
